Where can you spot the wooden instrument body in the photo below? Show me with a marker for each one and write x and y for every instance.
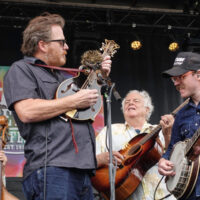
(73, 85)
(182, 184)
(136, 164)
(4, 194)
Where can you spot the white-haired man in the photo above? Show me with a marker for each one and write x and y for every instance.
(137, 108)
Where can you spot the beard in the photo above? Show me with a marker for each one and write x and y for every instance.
(56, 58)
(57, 61)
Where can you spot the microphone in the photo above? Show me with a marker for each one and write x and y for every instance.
(117, 95)
(107, 82)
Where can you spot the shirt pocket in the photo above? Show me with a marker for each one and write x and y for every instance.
(185, 131)
(49, 87)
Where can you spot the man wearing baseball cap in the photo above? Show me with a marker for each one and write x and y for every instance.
(185, 75)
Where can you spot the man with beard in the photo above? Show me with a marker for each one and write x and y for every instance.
(137, 108)
(60, 154)
(185, 74)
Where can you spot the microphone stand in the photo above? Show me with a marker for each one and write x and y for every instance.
(112, 168)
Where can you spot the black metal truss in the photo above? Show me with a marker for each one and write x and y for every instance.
(16, 14)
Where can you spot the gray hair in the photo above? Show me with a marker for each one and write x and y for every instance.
(147, 101)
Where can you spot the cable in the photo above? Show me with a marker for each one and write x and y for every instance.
(154, 195)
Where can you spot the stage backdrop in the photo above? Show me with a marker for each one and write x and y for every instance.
(14, 148)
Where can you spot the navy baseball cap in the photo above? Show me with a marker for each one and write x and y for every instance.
(184, 62)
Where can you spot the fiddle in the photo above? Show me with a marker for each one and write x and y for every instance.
(91, 78)
(4, 194)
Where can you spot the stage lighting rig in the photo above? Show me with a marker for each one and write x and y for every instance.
(174, 45)
(192, 7)
(136, 44)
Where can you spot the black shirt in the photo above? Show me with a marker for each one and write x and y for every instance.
(24, 80)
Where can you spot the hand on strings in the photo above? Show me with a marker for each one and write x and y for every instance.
(167, 122)
(86, 98)
(166, 167)
(103, 158)
(117, 158)
(196, 148)
(195, 152)
(106, 65)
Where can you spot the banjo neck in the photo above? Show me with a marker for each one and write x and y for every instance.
(191, 142)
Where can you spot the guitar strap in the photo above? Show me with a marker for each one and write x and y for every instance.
(73, 137)
(71, 71)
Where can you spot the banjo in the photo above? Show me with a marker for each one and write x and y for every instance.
(186, 167)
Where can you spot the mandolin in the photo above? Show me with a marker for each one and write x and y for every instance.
(90, 77)
(4, 194)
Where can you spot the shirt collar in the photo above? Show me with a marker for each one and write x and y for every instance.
(33, 60)
(144, 127)
(192, 104)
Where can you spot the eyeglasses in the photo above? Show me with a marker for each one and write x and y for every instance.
(181, 77)
(62, 42)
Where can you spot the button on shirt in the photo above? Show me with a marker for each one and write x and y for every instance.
(187, 121)
(26, 81)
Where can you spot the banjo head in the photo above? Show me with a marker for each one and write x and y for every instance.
(178, 158)
(176, 184)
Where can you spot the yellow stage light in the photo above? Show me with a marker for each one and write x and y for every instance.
(173, 46)
(136, 45)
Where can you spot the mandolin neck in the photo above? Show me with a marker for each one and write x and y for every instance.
(91, 77)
